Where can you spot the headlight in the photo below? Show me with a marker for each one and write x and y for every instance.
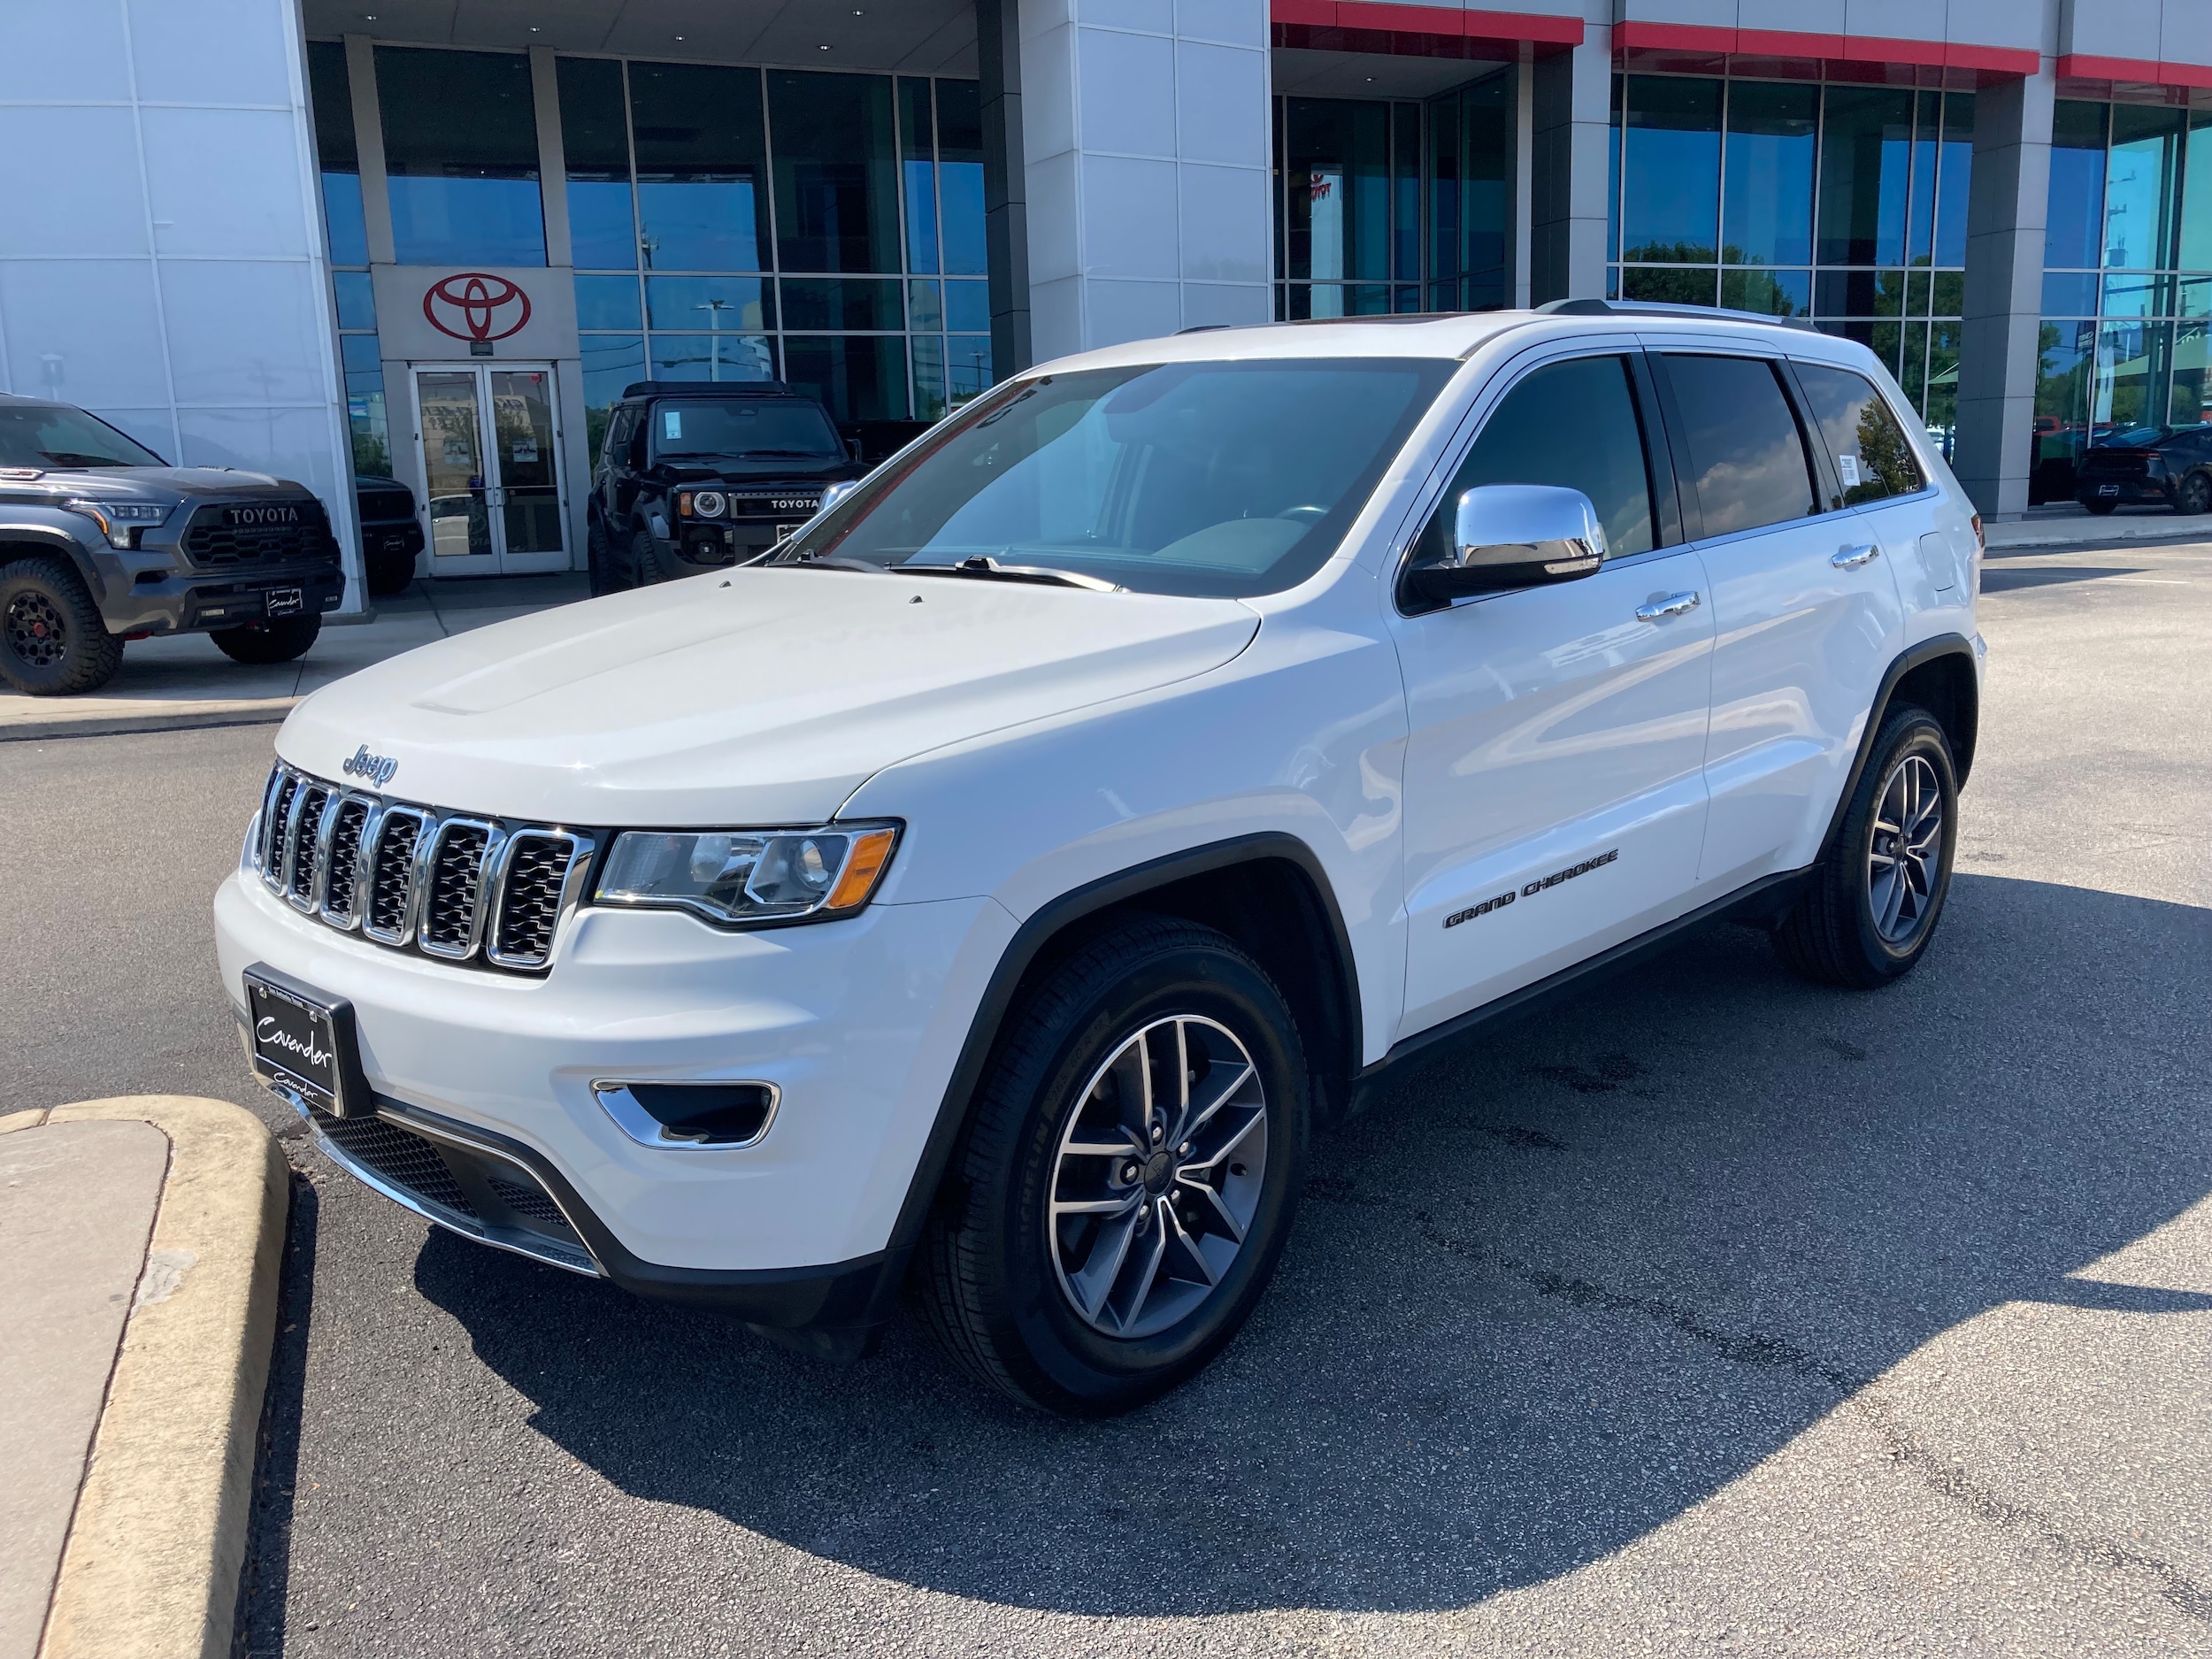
(120, 520)
(740, 877)
(700, 503)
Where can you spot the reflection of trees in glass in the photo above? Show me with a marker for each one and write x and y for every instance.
(1888, 464)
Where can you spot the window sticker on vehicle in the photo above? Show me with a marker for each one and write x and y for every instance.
(1847, 468)
(1532, 888)
(672, 423)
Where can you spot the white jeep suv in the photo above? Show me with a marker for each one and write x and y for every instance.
(990, 892)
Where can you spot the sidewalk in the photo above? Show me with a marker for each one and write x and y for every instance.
(2069, 526)
(139, 1247)
(183, 680)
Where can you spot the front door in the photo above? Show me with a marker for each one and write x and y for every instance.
(490, 448)
(1554, 794)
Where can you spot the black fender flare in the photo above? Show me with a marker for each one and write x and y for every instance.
(1918, 656)
(21, 537)
(1051, 919)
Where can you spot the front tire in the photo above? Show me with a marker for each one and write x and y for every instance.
(53, 642)
(390, 573)
(281, 640)
(1128, 1176)
(2193, 494)
(1878, 894)
(599, 561)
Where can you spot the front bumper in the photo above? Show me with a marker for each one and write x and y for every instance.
(187, 601)
(857, 1023)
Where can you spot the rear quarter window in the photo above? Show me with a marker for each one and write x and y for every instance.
(1873, 461)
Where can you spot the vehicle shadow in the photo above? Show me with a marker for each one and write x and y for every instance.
(1553, 1290)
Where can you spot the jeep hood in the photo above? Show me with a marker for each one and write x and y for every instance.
(748, 697)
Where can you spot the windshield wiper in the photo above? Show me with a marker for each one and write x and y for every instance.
(804, 455)
(990, 569)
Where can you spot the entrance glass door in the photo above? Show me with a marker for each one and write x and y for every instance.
(491, 464)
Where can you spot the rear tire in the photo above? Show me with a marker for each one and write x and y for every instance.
(2193, 494)
(1878, 894)
(1094, 1310)
(390, 573)
(281, 640)
(53, 642)
(646, 564)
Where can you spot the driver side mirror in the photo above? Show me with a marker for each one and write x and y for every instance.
(1512, 535)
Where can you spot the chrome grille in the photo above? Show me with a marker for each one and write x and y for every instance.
(450, 885)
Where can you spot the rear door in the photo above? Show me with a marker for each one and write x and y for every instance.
(1554, 797)
(1805, 606)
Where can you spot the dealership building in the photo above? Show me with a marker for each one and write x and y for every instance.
(434, 239)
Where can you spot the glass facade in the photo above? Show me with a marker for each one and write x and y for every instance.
(1391, 205)
(1845, 204)
(461, 153)
(346, 233)
(2127, 279)
(822, 228)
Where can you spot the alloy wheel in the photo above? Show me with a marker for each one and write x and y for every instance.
(1157, 1177)
(37, 637)
(1904, 856)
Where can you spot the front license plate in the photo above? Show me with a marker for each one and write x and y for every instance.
(2107, 489)
(785, 532)
(306, 1040)
(284, 602)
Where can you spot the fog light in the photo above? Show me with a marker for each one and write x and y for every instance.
(710, 1116)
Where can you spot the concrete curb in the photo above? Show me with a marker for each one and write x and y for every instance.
(150, 1568)
(189, 716)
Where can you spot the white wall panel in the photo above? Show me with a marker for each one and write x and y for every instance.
(242, 332)
(210, 52)
(62, 51)
(85, 331)
(102, 212)
(227, 184)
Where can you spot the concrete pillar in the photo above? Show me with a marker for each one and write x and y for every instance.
(1524, 173)
(368, 143)
(1005, 206)
(1997, 350)
(1144, 128)
(545, 97)
(1572, 122)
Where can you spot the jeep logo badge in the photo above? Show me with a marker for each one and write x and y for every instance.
(376, 768)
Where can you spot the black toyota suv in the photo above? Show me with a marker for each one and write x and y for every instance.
(696, 475)
(102, 541)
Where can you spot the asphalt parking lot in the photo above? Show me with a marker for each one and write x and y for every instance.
(1707, 1312)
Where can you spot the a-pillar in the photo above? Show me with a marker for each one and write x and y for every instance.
(2006, 205)
(1145, 159)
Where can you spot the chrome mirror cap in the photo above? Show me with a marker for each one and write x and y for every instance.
(1512, 535)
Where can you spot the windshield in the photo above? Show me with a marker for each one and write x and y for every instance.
(1228, 479)
(53, 435)
(735, 428)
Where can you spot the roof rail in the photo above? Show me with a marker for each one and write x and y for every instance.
(708, 388)
(1666, 308)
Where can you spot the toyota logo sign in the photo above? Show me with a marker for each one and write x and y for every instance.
(478, 301)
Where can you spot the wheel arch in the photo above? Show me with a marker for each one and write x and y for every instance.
(1267, 891)
(1937, 675)
(34, 541)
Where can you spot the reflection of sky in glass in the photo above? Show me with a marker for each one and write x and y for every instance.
(342, 220)
(961, 184)
(1866, 151)
(921, 216)
(698, 225)
(2139, 177)
(1953, 178)
(712, 357)
(607, 302)
(601, 234)
(1671, 169)
(730, 304)
(357, 299)
(1768, 217)
(466, 221)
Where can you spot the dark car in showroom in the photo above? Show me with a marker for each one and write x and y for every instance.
(696, 475)
(391, 534)
(2149, 466)
(103, 542)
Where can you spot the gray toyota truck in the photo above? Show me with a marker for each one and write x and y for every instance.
(102, 541)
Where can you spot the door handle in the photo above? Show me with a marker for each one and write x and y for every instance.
(1673, 606)
(1851, 557)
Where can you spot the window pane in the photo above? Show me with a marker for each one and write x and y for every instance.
(1920, 217)
(357, 299)
(2073, 234)
(929, 376)
(857, 377)
(1671, 171)
(716, 304)
(828, 303)
(1768, 217)
(1943, 383)
(924, 304)
(713, 357)
(2192, 403)
(332, 91)
(1675, 287)
(1915, 293)
(366, 413)
(1860, 293)
(968, 307)
(968, 368)
(1748, 462)
(1770, 293)
(837, 188)
(1954, 176)
(960, 175)
(2142, 181)
(2196, 207)
(2065, 368)
(917, 165)
(2133, 360)
(1445, 232)
(343, 225)
(1866, 146)
(461, 148)
(610, 363)
(1871, 455)
(608, 302)
(1486, 126)
(1949, 297)
(596, 150)
(1405, 174)
(2136, 293)
(1520, 444)
(701, 167)
(1339, 202)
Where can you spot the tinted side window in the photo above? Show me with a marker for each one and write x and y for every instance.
(1748, 460)
(1872, 458)
(1571, 424)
